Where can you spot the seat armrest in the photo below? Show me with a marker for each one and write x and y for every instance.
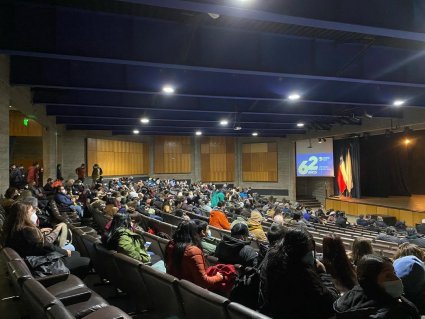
(75, 296)
(52, 279)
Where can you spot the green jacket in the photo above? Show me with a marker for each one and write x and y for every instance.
(216, 197)
(131, 244)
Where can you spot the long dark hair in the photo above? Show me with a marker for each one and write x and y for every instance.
(361, 247)
(336, 261)
(121, 220)
(187, 234)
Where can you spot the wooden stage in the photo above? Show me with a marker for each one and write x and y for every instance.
(411, 209)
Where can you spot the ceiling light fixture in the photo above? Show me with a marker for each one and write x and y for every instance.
(144, 120)
(294, 97)
(254, 134)
(398, 102)
(224, 122)
(237, 128)
(300, 124)
(168, 89)
(136, 131)
(198, 133)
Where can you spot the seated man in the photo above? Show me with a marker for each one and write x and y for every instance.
(380, 222)
(236, 249)
(413, 238)
(63, 200)
(390, 235)
(218, 217)
(361, 221)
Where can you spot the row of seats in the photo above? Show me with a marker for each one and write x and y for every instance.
(57, 296)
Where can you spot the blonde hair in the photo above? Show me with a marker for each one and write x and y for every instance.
(408, 249)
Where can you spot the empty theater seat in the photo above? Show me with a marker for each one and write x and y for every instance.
(162, 287)
(201, 303)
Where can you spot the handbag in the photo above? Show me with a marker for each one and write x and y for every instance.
(47, 265)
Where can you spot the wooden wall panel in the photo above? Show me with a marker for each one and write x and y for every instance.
(17, 127)
(173, 154)
(259, 162)
(118, 158)
(218, 159)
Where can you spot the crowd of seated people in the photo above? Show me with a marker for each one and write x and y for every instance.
(346, 284)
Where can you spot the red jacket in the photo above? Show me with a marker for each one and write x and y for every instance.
(192, 268)
(32, 174)
(218, 219)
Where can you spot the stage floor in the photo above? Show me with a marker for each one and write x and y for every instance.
(414, 203)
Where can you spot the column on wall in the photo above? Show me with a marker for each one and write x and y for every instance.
(4, 123)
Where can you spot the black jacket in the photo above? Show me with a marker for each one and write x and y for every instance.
(295, 291)
(389, 238)
(355, 304)
(25, 242)
(231, 250)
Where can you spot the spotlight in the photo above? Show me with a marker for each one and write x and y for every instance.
(300, 124)
(294, 97)
(254, 134)
(406, 141)
(237, 128)
(144, 120)
(10, 106)
(168, 89)
(398, 102)
(224, 122)
(198, 133)
(136, 131)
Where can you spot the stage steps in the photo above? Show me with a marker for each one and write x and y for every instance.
(309, 201)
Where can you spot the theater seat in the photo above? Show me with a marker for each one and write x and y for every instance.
(10, 254)
(37, 298)
(132, 281)
(162, 287)
(201, 303)
(81, 309)
(237, 311)
(106, 265)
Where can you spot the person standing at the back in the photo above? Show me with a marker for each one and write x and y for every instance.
(81, 172)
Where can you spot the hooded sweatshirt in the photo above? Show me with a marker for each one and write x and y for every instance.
(232, 250)
(356, 304)
(255, 227)
(411, 271)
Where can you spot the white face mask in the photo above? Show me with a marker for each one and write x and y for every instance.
(34, 218)
(394, 288)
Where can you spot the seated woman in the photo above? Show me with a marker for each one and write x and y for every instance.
(255, 227)
(236, 249)
(121, 238)
(378, 295)
(337, 263)
(26, 239)
(361, 247)
(184, 258)
(293, 283)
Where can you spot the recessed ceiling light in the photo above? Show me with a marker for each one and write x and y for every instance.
(144, 120)
(300, 124)
(237, 128)
(198, 133)
(136, 131)
(254, 134)
(294, 97)
(168, 89)
(224, 122)
(10, 106)
(398, 102)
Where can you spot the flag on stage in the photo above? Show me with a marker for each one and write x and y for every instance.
(349, 172)
(340, 176)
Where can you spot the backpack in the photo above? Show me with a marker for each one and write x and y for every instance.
(246, 290)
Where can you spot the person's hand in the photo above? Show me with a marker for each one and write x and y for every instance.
(320, 267)
(220, 275)
(68, 252)
(46, 230)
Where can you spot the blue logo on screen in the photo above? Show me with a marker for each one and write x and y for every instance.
(315, 165)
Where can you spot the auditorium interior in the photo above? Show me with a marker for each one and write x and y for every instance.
(306, 116)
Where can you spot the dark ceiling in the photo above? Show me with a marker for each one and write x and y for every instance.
(102, 64)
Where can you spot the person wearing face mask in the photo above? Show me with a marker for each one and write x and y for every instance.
(62, 199)
(378, 295)
(294, 285)
(26, 239)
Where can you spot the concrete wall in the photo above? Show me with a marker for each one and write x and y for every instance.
(319, 187)
(4, 123)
